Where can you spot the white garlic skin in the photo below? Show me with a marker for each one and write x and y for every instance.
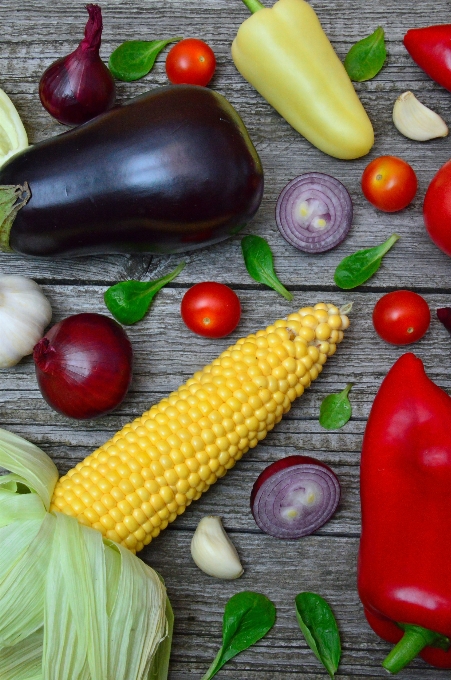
(416, 121)
(24, 313)
(213, 552)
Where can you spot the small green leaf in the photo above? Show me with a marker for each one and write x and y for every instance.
(129, 301)
(357, 268)
(260, 265)
(247, 618)
(135, 58)
(335, 410)
(317, 622)
(366, 58)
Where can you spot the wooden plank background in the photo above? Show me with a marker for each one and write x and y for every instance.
(34, 34)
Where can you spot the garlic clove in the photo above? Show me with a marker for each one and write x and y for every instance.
(213, 552)
(24, 313)
(415, 121)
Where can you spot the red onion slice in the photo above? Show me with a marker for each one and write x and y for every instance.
(314, 212)
(294, 496)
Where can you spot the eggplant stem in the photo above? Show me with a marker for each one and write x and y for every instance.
(415, 639)
(12, 199)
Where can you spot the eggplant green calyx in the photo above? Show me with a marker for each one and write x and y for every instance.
(415, 638)
(12, 199)
(253, 5)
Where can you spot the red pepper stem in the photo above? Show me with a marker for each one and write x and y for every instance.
(415, 638)
(253, 5)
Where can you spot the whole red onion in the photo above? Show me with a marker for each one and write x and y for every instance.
(84, 365)
(78, 87)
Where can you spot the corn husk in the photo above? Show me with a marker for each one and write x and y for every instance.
(73, 605)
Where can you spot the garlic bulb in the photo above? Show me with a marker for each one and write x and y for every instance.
(24, 313)
(415, 121)
(213, 551)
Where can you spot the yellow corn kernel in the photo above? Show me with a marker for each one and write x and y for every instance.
(148, 473)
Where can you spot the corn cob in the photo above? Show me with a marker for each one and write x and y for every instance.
(133, 486)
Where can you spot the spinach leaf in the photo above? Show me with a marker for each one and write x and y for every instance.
(135, 58)
(260, 265)
(360, 266)
(317, 622)
(248, 617)
(335, 410)
(128, 301)
(366, 58)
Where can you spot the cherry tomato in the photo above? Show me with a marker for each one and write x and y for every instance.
(401, 317)
(437, 209)
(190, 62)
(211, 309)
(389, 183)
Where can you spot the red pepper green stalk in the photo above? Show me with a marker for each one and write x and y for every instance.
(414, 640)
(405, 552)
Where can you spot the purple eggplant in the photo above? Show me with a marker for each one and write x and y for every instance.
(170, 171)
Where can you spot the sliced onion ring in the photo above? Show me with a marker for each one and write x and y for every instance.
(314, 212)
(294, 496)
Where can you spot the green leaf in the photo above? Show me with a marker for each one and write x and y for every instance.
(31, 464)
(366, 58)
(335, 410)
(129, 301)
(260, 265)
(248, 617)
(135, 58)
(360, 266)
(73, 603)
(160, 664)
(317, 622)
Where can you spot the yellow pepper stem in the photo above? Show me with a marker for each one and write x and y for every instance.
(253, 5)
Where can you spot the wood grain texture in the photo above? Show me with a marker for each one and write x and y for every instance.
(166, 353)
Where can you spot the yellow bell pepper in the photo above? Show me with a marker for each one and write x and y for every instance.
(285, 54)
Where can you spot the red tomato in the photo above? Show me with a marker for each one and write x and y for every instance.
(190, 62)
(437, 209)
(401, 317)
(211, 309)
(389, 183)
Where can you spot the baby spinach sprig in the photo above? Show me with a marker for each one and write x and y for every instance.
(133, 59)
(357, 268)
(317, 621)
(247, 618)
(129, 301)
(260, 264)
(335, 409)
(366, 58)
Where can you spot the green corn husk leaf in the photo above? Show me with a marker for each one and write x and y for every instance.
(24, 660)
(30, 463)
(73, 605)
(22, 588)
(160, 664)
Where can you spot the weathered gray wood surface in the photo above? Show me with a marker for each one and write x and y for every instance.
(34, 33)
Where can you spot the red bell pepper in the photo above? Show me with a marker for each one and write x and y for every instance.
(430, 48)
(404, 565)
